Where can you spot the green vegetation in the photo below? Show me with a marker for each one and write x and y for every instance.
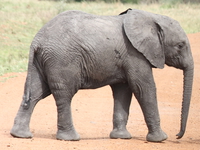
(21, 19)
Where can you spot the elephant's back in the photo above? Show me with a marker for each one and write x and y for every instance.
(79, 29)
(74, 23)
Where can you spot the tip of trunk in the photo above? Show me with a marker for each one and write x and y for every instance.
(180, 134)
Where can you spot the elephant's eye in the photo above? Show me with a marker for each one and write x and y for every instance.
(180, 45)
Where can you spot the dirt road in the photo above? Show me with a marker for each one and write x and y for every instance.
(92, 114)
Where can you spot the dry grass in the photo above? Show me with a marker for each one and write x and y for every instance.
(21, 19)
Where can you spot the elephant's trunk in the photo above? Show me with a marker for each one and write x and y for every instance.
(187, 91)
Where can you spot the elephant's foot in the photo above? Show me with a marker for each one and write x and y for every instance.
(68, 135)
(156, 136)
(121, 134)
(21, 132)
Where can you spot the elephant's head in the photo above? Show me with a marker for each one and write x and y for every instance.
(162, 41)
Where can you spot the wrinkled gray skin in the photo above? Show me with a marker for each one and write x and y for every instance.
(76, 50)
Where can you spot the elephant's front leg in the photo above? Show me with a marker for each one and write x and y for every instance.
(122, 99)
(145, 92)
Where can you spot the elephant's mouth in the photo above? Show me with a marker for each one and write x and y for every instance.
(175, 61)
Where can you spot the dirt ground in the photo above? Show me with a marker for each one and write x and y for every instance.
(92, 114)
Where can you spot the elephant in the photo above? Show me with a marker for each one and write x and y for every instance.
(76, 50)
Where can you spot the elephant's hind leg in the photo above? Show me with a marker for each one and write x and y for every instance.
(63, 92)
(21, 128)
(34, 91)
(122, 99)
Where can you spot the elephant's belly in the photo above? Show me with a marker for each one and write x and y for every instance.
(95, 83)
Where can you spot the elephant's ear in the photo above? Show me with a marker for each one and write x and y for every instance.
(145, 35)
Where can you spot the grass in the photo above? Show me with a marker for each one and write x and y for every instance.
(21, 19)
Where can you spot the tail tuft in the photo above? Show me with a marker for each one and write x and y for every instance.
(26, 105)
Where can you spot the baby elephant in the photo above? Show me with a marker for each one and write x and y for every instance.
(77, 50)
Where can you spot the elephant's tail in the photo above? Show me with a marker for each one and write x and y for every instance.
(27, 88)
(36, 86)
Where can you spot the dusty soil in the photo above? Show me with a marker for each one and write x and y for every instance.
(92, 114)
